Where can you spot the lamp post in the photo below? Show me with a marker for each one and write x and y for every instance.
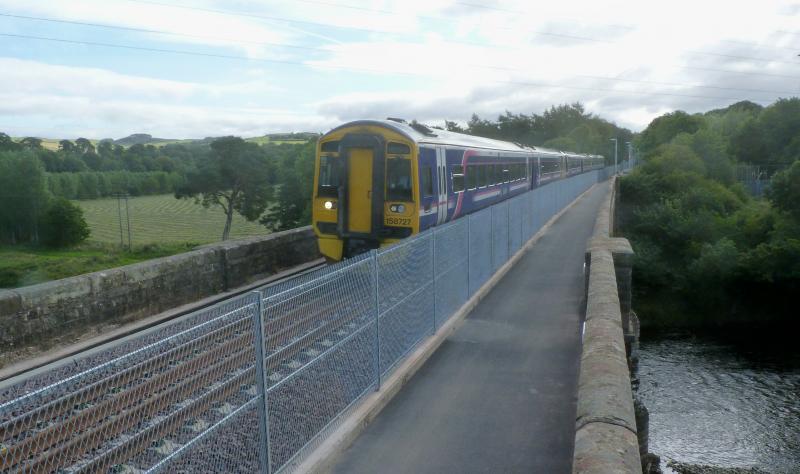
(615, 154)
(630, 146)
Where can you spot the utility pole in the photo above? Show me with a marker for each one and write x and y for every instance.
(615, 154)
(630, 163)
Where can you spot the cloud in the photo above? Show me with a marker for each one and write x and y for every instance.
(432, 60)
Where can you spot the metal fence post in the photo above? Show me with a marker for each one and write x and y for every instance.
(261, 383)
(469, 286)
(491, 239)
(433, 279)
(377, 323)
(508, 230)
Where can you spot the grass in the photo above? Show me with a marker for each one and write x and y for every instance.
(162, 219)
(22, 265)
(160, 225)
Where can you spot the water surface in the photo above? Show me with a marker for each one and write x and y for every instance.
(730, 401)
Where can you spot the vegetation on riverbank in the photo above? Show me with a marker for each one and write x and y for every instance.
(707, 253)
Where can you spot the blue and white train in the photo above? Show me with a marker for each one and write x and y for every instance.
(379, 181)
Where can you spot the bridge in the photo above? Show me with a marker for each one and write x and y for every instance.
(462, 349)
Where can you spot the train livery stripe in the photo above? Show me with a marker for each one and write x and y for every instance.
(467, 154)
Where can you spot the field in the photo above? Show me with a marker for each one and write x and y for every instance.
(162, 219)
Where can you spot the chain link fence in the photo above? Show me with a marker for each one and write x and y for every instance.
(255, 383)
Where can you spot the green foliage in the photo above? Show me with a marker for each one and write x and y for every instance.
(98, 184)
(63, 225)
(23, 196)
(770, 136)
(784, 192)
(22, 265)
(296, 175)
(567, 127)
(706, 253)
(663, 129)
(236, 176)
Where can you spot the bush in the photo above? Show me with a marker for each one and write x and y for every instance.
(63, 225)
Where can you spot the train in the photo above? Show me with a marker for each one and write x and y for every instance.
(377, 182)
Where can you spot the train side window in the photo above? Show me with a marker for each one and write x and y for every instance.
(482, 176)
(458, 178)
(328, 176)
(398, 179)
(427, 181)
(489, 175)
(472, 177)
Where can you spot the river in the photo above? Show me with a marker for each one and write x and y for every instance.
(731, 401)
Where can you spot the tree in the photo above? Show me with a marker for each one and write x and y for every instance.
(84, 146)
(23, 195)
(63, 224)
(235, 176)
(32, 143)
(663, 129)
(66, 146)
(6, 143)
(296, 176)
(784, 191)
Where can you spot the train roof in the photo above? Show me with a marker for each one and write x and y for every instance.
(422, 134)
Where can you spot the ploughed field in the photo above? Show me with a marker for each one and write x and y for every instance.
(162, 219)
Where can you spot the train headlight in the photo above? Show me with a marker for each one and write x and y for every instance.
(398, 208)
(329, 205)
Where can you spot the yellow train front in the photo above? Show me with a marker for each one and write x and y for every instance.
(364, 189)
(379, 181)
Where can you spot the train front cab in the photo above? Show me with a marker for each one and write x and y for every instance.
(364, 190)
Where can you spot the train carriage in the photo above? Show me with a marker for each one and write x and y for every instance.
(379, 181)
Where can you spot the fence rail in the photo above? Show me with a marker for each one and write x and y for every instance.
(256, 382)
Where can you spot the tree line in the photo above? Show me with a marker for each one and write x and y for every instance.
(566, 127)
(270, 183)
(708, 253)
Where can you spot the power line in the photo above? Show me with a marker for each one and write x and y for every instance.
(329, 25)
(298, 63)
(354, 28)
(159, 32)
(309, 48)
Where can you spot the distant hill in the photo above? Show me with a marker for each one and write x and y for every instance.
(140, 139)
(147, 139)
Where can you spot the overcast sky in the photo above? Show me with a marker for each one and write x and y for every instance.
(306, 65)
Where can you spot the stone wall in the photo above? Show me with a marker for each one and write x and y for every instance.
(606, 435)
(31, 315)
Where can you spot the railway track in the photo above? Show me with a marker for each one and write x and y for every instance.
(130, 412)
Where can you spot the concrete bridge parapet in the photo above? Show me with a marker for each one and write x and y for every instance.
(606, 434)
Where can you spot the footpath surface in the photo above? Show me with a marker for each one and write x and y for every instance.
(499, 395)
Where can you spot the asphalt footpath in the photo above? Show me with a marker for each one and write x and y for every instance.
(499, 395)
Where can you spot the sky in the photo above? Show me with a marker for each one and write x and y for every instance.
(198, 68)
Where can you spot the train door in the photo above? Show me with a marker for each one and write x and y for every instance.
(362, 193)
(359, 191)
(441, 172)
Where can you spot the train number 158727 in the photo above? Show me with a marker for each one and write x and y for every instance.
(398, 221)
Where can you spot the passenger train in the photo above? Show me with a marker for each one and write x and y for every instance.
(379, 181)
